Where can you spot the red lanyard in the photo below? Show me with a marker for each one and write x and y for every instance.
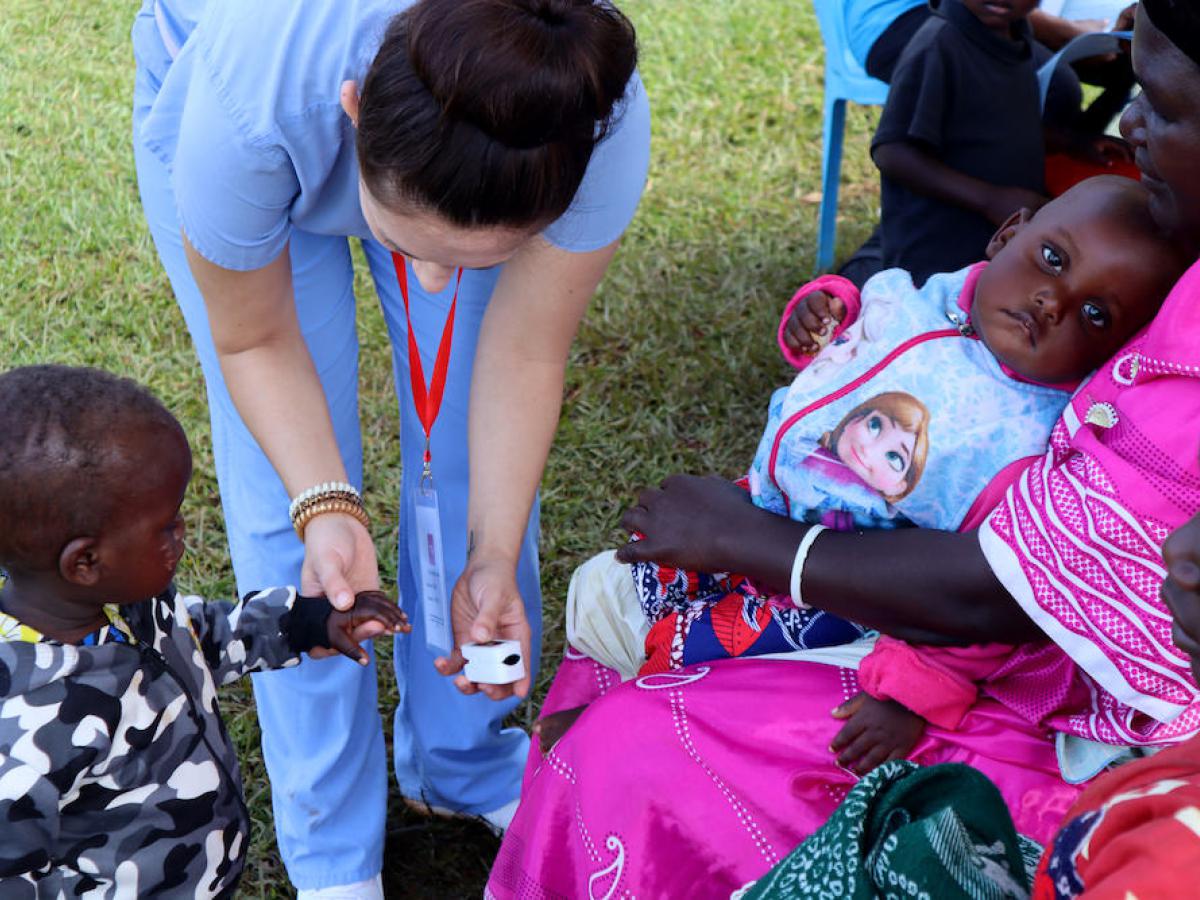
(428, 402)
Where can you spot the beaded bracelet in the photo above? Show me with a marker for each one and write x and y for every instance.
(318, 491)
(297, 510)
(329, 505)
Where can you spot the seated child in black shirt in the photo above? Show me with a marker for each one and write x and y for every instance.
(117, 777)
(960, 145)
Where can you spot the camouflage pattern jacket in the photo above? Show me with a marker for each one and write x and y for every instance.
(117, 777)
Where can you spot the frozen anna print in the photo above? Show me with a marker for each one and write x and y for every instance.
(874, 457)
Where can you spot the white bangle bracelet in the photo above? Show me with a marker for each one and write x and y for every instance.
(806, 543)
(327, 487)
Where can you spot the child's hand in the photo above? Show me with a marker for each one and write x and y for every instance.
(372, 614)
(812, 322)
(875, 731)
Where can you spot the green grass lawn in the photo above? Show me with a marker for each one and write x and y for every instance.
(671, 370)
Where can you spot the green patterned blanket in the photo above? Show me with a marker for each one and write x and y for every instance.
(936, 833)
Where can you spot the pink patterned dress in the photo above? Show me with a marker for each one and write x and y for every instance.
(693, 783)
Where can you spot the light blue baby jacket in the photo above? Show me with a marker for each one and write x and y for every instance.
(976, 418)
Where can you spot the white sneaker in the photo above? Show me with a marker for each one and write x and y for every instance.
(371, 889)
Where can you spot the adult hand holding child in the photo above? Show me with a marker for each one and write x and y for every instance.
(339, 560)
(692, 520)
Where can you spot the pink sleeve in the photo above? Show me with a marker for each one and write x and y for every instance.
(937, 683)
(834, 285)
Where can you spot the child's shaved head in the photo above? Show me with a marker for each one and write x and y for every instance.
(68, 456)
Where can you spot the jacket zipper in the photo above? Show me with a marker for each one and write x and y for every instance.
(845, 389)
(157, 660)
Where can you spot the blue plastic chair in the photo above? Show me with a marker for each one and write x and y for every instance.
(845, 80)
(1094, 43)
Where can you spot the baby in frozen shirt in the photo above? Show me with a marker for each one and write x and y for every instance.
(909, 408)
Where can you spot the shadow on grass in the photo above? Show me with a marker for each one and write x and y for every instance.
(429, 857)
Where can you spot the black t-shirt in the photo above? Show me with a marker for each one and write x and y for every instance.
(969, 97)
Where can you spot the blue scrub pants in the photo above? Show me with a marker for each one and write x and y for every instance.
(322, 738)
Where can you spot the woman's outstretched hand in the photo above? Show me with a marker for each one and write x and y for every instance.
(1181, 589)
(686, 521)
(487, 606)
(339, 560)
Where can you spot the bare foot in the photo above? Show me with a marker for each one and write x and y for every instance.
(550, 729)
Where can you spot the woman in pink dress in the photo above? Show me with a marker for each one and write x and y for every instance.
(693, 783)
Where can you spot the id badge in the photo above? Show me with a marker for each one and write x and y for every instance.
(435, 599)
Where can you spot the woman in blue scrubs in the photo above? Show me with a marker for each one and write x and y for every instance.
(504, 139)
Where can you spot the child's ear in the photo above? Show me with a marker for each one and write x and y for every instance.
(1007, 231)
(79, 562)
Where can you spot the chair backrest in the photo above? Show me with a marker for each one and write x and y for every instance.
(844, 77)
(1093, 43)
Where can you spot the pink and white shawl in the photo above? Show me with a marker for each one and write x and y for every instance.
(1078, 538)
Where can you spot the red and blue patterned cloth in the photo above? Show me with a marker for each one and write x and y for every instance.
(703, 616)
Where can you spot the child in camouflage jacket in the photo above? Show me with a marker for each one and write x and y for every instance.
(117, 776)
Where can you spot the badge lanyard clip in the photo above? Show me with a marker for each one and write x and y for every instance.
(435, 601)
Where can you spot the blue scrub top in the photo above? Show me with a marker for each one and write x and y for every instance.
(866, 20)
(248, 120)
